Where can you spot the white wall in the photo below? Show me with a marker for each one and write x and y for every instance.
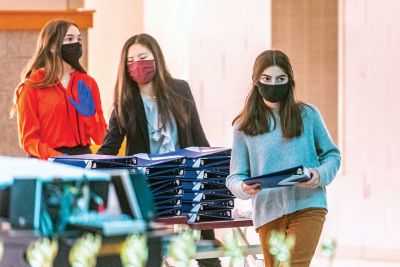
(364, 201)
(213, 45)
(114, 22)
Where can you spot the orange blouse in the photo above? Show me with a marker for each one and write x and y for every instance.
(47, 120)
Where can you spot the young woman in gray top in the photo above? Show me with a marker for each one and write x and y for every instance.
(275, 132)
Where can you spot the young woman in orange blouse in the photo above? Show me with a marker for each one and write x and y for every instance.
(57, 103)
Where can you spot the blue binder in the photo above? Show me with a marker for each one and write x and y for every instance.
(204, 174)
(200, 196)
(167, 183)
(169, 192)
(197, 152)
(229, 202)
(159, 160)
(282, 178)
(207, 205)
(215, 215)
(170, 202)
(207, 162)
(156, 171)
(164, 211)
(93, 161)
(204, 157)
(203, 186)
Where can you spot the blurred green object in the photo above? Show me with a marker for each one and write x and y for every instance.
(233, 250)
(42, 252)
(329, 246)
(134, 251)
(183, 247)
(84, 252)
(280, 247)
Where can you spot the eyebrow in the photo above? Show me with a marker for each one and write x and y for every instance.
(70, 34)
(283, 75)
(141, 54)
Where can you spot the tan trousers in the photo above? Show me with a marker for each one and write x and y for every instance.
(306, 225)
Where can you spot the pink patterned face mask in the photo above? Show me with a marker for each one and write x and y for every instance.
(142, 71)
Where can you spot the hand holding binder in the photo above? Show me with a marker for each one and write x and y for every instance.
(282, 178)
(313, 182)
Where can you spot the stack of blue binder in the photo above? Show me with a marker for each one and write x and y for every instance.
(189, 181)
(205, 197)
(163, 175)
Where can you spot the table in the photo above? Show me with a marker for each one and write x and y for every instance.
(16, 242)
(239, 224)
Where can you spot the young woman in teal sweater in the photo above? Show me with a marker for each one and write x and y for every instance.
(275, 132)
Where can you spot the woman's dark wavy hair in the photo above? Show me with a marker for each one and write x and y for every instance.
(127, 94)
(254, 118)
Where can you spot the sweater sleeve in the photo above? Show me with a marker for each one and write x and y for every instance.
(240, 165)
(113, 140)
(328, 154)
(29, 125)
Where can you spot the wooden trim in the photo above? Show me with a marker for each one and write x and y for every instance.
(307, 31)
(32, 20)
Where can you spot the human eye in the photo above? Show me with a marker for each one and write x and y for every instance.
(282, 79)
(265, 78)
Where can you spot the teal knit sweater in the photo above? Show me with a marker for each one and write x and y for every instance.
(270, 152)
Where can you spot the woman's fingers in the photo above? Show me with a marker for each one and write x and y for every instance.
(251, 189)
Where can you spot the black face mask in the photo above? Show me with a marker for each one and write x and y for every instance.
(71, 53)
(273, 93)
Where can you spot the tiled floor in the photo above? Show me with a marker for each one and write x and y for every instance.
(353, 263)
(324, 263)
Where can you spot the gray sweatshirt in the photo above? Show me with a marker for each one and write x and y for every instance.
(270, 152)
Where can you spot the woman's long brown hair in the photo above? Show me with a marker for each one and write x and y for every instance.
(126, 93)
(255, 117)
(47, 56)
